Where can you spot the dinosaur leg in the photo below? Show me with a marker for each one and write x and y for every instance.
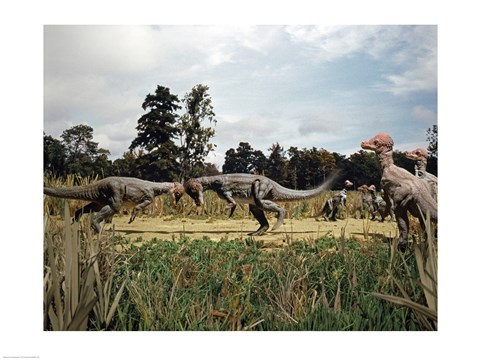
(139, 208)
(403, 225)
(327, 209)
(92, 207)
(334, 212)
(258, 192)
(231, 202)
(106, 212)
(260, 216)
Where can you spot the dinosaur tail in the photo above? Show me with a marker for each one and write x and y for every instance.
(74, 193)
(293, 195)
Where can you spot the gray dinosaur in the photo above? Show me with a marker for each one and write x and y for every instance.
(259, 192)
(108, 195)
(408, 193)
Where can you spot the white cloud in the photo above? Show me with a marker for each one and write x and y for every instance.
(409, 53)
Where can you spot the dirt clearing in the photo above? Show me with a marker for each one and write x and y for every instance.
(229, 229)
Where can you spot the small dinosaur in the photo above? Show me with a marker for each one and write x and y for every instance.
(108, 195)
(367, 201)
(332, 205)
(379, 204)
(420, 157)
(408, 193)
(259, 192)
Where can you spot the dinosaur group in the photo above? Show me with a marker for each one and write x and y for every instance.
(403, 193)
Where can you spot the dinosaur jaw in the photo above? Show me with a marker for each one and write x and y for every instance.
(366, 145)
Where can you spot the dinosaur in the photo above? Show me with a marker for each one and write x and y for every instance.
(367, 201)
(420, 157)
(108, 195)
(259, 192)
(379, 204)
(408, 193)
(331, 207)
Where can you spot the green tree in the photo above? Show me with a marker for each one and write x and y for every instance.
(276, 168)
(432, 161)
(194, 138)
(432, 138)
(244, 160)
(82, 152)
(365, 169)
(400, 160)
(54, 156)
(157, 130)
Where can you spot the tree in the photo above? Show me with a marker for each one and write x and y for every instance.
(327, 162)
(276, 168)
(244, 160)
(309, 167)
(432, 138)
(157, 130)
(194, 138)
(54, 156)
(365, 168)
(82, 152)
(400, 160)
(432, 161)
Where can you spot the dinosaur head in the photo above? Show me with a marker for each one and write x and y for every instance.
(195, 189)
(363, 188)
(417, 154)
(177, 192)
(379, 143)
(347, 183)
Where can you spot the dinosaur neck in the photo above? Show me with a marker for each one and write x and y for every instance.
(161, 188)
(207, 181)
(386, 158)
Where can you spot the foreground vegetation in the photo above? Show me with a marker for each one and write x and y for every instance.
(105, 283)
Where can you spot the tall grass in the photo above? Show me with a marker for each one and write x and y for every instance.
(79, 274)
(426, 276)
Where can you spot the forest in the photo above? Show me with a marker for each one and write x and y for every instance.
(172, 146)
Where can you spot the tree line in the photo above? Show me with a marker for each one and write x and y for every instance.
(173, 146)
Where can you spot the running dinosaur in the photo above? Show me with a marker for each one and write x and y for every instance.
(420, 157)
(259, 192)
(108, 195)
(408, 193)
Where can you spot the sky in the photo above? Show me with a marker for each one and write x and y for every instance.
(306, 86)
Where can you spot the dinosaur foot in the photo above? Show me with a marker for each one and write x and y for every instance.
(277, 225)
(259, 232)
(402, 246)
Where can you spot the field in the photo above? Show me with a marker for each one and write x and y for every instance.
(191, 269)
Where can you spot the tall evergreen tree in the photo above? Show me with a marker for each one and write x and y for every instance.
(156, 133)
